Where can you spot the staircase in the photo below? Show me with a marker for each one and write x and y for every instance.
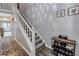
(39, 44)
(30, 31)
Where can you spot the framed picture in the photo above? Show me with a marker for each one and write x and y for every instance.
(60, 13)
(73, 10)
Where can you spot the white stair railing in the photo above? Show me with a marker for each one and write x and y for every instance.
(30, 25)
(28, 30)
(25, 19)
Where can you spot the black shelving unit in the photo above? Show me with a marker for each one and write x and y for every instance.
(63, 47)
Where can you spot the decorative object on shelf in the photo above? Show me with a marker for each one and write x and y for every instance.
(63, 37)
(73, 10)
(61, 46)
(60, 13)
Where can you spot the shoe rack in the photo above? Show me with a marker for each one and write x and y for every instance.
(63, 46)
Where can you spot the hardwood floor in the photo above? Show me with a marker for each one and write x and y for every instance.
(14, 49)
(45, 52)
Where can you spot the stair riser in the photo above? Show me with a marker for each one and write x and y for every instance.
(38, 42)
(37, 37)
(39, 45)
(35, 34)
(38, 49)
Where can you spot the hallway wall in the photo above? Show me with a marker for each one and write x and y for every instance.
(43, 18)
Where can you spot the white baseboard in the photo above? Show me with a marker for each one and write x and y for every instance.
(48, 46)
